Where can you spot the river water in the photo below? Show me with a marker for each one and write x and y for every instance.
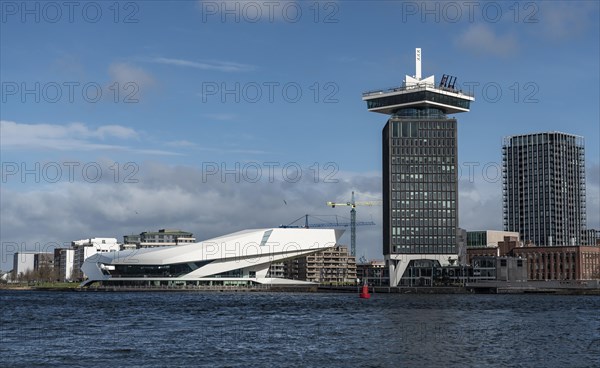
(185, 329)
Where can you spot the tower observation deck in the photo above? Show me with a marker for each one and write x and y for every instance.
(420, 173)
(419, 93)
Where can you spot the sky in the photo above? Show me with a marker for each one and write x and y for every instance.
(213, 116)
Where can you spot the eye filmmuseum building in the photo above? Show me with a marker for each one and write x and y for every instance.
(242, 258)
(420, 179)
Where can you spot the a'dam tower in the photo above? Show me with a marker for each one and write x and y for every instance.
(420, 171)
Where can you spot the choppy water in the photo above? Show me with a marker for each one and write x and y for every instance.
(294, 330)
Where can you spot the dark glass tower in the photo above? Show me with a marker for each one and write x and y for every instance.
(544, 188)
(420, 174)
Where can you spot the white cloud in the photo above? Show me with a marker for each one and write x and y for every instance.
(480, 39)
(566, 20)
(124, 73)
(13, 132)
(222, 66)
(179, 197)
(479, 205)
(68, 137)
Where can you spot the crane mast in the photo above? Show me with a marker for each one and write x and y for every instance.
(353, 204)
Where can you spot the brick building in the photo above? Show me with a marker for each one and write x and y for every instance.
(548, 263)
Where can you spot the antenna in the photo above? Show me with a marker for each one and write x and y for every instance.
(418, 63)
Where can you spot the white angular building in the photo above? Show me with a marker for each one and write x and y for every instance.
(86, 248)
(241, 258)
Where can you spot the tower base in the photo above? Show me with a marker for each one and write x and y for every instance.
(398, 263)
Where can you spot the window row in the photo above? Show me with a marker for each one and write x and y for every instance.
(424, 195)
(423, 231)
(438, 215)
(416, 203)
(422, 169)
(429, 187)
(422, 160)
(429, 151)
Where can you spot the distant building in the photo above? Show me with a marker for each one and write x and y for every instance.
(160, 238)
(461, 244)
(561, 263)
(88, 247)
(548, 263)
(426, 272)
(22, 263)
(64, 261)
(277, 269)
(544, 188)
(499, 269)
(334, 265)
(131, 241)
(487, 238)
(591, 237)
(373, 273)
(28, 262)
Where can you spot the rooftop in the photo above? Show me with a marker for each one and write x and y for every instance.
(420, 94)
(414, 88)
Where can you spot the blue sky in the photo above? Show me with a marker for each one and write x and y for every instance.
(178, 89)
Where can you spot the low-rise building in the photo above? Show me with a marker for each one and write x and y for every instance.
(86, 248)
(332, 266)
(548, 262)
(561, 263)
(488, 268)
(373, 273)
(591, 237)
(461, 245)
(23, 262)
(488, 238)
(28, 263)
(160, 238)
(277, 269)
(64, 261)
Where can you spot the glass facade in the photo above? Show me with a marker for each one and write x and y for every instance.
(167, 270)
(477, 239)
(411, 97)
(420, 183)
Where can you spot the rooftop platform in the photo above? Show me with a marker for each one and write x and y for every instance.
(388, 101)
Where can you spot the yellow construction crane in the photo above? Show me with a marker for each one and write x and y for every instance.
(353, 204)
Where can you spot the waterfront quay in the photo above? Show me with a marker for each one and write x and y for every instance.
(589, 287)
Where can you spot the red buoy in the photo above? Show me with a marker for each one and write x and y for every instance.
(364, 294)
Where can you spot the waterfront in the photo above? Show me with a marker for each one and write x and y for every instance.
(296, 329)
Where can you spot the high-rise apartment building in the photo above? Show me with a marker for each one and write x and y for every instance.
(544, 188)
